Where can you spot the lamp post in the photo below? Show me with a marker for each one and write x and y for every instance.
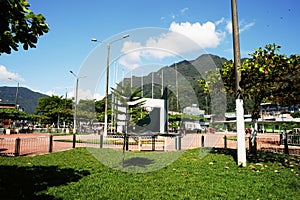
(107, 78)
(75, 103)
(17, 92)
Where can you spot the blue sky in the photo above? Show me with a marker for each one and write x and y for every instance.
(68, 44)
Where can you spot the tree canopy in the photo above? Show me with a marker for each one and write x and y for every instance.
(86, 110)
(18, 24)
(266, 77)
(8, 113)
(55, 108)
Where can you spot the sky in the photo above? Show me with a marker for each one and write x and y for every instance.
(161, 33)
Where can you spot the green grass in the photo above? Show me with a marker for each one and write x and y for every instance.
(77, 174)
(234, 138)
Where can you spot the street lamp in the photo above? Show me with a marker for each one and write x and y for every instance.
(76, 97)
(107, 78)
(17, 92)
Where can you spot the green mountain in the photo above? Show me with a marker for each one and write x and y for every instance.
(188, 74)
(27, 99)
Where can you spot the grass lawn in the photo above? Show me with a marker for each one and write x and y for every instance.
(76, 174)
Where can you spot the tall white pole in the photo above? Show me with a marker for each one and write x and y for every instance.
(75, 100)
(152, 85)
(177, 95)
(113, 100)
(241, 149)
(75, 106)
(131, 83)
(162, 81)
(142, 85)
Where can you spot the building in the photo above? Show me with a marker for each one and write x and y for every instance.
(272, 118)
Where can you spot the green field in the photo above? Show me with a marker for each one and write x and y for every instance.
(76, 174)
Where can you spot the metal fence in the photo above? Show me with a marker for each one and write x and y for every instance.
(26, 146)
(293, 139)
(132, 143)
(45, 144)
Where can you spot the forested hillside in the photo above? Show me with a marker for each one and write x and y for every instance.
(27, 98)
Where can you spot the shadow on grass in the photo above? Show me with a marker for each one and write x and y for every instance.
(261, 156)
(26, 182)
(138, 161)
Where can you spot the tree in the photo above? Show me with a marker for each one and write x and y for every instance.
(266, 77)
(18, 24)
(86, 110)
(213, 87)
(296, 114)
(55, 108)
(100, 107)
(9, 113)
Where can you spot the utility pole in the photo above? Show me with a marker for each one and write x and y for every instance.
(241, 149)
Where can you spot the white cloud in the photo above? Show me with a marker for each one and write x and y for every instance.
(181, 38)
(133, 55)
(49, 93)
(175, 15)
(229, 27)
(5, 74)
(183, 10)
(247, 26)
(167, 44)
(242, 26)
(220, 21)
(205, 35)
(98, 97)
(87, 94)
